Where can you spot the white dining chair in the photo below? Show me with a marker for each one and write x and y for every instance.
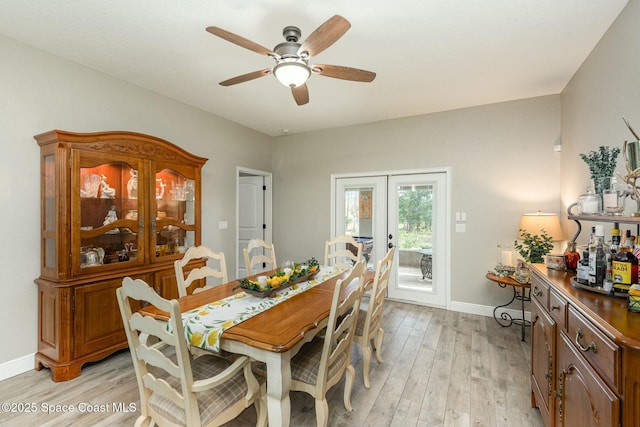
(321, 363)
(259, 253)
(175, 388)
(338, 251)
(198, 252)
(369, 332)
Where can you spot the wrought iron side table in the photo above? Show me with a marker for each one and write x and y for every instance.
(426, 263)
(521, 292)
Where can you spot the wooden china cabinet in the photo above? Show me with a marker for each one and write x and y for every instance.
(113, 204)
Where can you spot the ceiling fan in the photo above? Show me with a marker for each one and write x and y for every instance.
(292, 58)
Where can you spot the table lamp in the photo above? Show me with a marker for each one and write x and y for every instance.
(535, 223)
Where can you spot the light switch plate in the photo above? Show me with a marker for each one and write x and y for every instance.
(223, 225)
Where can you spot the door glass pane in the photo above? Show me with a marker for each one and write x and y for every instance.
(49, 194)
(49, 220)
(415, 238)
(108, 214)
(175, 213)
(358, 218)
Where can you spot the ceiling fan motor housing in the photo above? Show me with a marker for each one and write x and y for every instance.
(291, 33)
(287, 50)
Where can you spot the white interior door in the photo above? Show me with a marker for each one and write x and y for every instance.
(251, 215)
(417, 213)
(408, 211)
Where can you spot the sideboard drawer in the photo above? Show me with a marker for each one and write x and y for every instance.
(602, 353)
(540, 291)
(558, 309)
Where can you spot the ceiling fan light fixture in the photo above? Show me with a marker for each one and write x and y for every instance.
(291, 74)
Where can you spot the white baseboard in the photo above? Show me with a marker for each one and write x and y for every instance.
(17, 366)
(484, 310)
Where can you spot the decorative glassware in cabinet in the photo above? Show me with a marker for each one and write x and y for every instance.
(109, 225)
(175, 213)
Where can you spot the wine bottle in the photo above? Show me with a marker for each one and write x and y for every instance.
(624, 266)
(597, 259)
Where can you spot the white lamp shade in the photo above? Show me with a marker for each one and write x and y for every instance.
(291, 74)
(534, 223)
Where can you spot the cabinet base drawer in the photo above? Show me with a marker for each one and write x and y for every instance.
(596, 348)
(540, 291)
(558, 309)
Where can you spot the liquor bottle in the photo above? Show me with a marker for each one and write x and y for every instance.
(624, 266)
(615, 239)
(597, 259)
(585, 264)
(582, 273)
(607, 285)
(614, 247)
(592, 237)
(571, 257)
(636, 251)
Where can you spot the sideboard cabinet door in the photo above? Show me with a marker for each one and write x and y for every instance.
(584, 400)
(543, 343)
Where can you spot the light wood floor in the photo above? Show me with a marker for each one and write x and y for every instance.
(441, 368)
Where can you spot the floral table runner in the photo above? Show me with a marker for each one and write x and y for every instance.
(204, 325)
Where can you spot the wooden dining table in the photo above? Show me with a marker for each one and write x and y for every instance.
(273, 336)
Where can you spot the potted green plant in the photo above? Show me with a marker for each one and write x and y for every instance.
(533, 247)
(602, 165)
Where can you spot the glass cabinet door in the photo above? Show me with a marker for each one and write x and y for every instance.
(49, 216)
(174, 228)
(110, 219)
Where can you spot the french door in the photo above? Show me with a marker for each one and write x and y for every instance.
(408, 211)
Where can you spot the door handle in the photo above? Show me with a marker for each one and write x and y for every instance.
(390, 245)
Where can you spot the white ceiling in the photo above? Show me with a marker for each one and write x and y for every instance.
(429, 55)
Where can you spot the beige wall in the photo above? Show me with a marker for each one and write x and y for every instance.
(40, 92)
(603, 90)
(502, 160)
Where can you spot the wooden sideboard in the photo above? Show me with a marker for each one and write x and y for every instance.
(113, 204)
(585, 354)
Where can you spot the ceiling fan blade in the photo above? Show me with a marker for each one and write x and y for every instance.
(240, 41)
(246, 77)
(325, 35)
(344, 73)
(300, 94)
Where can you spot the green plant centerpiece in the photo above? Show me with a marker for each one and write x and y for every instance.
(533, 247)
(602, 165)
(280, 280)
